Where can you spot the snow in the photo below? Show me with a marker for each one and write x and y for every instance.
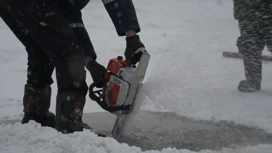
(45, 140)
(187, 75)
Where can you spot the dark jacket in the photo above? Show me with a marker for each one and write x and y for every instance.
(121, 12)
(72, 5)
(123, 15)
(252, 8)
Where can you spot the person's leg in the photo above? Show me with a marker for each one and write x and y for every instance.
(97, 71)
(267, 31)
(251, 45)
(39, 80)
(47, 26)
(37, 90)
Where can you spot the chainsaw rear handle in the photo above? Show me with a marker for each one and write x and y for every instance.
(101, 100)
(140, 51)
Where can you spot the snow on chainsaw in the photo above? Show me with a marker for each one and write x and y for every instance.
(120, 88)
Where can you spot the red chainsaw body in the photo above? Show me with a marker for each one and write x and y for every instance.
(114, 82)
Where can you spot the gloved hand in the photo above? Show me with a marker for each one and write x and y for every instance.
(133, 43)
(97, 72)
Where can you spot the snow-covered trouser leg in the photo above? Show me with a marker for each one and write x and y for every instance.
(251, 45)
(46, 26)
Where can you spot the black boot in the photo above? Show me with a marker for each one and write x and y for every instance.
(69, 112)
(253, 73)
(36, 106)
(249, 86)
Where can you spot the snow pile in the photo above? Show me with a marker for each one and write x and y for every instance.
(32, 138)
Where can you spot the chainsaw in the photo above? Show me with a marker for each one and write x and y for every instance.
(121, 82)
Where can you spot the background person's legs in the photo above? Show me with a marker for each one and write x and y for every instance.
(251, 45)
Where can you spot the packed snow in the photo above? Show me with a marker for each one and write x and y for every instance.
(187, 75)
(33, 138)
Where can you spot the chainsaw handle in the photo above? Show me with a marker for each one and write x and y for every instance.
(101, 100)
(92, 94)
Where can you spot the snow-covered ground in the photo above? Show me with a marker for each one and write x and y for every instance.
(187, 75)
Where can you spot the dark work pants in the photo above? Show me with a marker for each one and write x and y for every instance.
(49, 41)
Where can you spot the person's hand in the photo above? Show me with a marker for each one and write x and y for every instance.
(97, 72)
(133, 44)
